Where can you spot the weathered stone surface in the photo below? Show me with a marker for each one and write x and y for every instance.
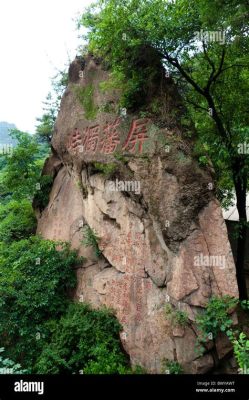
(150, 237)
(223, 345)
(203, 364)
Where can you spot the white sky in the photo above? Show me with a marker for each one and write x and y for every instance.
(36, 37)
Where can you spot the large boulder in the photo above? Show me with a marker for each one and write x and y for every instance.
(132, 178)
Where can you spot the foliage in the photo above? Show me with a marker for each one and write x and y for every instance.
(245, 305)
(85, 97)
(84, 340)
(106, 169)
(177, 317)
(35, 278)
(41, 197)
(22, 170)
(8, 366)
(120, 157)
(241, 349)
(17, 220)
(171, 367)
(91, 239)
(215, 318)
(45, 127)
(116, 81)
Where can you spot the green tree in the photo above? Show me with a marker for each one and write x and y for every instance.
(17, 220)
(35, 280)
(212, 74)
(45, 127)
(22, 171)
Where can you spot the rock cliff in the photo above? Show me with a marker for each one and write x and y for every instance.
(131, 177)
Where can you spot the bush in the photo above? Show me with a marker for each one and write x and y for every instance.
(84, 340)
(41, 197)
(91, 239)
(177, 317)
(8, 366)
(107, 170)
(241, 350)
(17, 220)
(214, 319)
(171, 367)
(34, 280)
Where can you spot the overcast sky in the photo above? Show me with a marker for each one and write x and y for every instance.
(36, 37)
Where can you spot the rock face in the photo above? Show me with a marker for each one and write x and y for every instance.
(131, 178)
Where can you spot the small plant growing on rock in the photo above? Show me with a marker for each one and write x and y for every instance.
(240, 344)
(245, 305)
(214, 319)
(171, 367)
(91, 239)
(85, 96)
(177, 317)
(106, 169)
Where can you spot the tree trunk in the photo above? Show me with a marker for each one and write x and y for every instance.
(240, 188)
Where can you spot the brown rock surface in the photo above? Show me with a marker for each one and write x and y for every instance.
(149, 239)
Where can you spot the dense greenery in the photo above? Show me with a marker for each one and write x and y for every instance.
(216, 317)
(17, 220)
(241, 350)
(8, 366)
(85, 341)
(34, 280)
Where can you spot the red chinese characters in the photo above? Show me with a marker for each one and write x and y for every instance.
(111, 138)
(137, 134)
(75, 140)
(90, 139)
(106, 140)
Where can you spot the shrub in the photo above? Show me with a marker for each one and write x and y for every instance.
(17, 220)
(177, 317)
(85, 96)
(34, 280)
(8, 366)
(171, 367)
(107, 170)
(91, 239)
(214, 319)
(241, 350)
(41, 197)
(84, 340)
(245, 305)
